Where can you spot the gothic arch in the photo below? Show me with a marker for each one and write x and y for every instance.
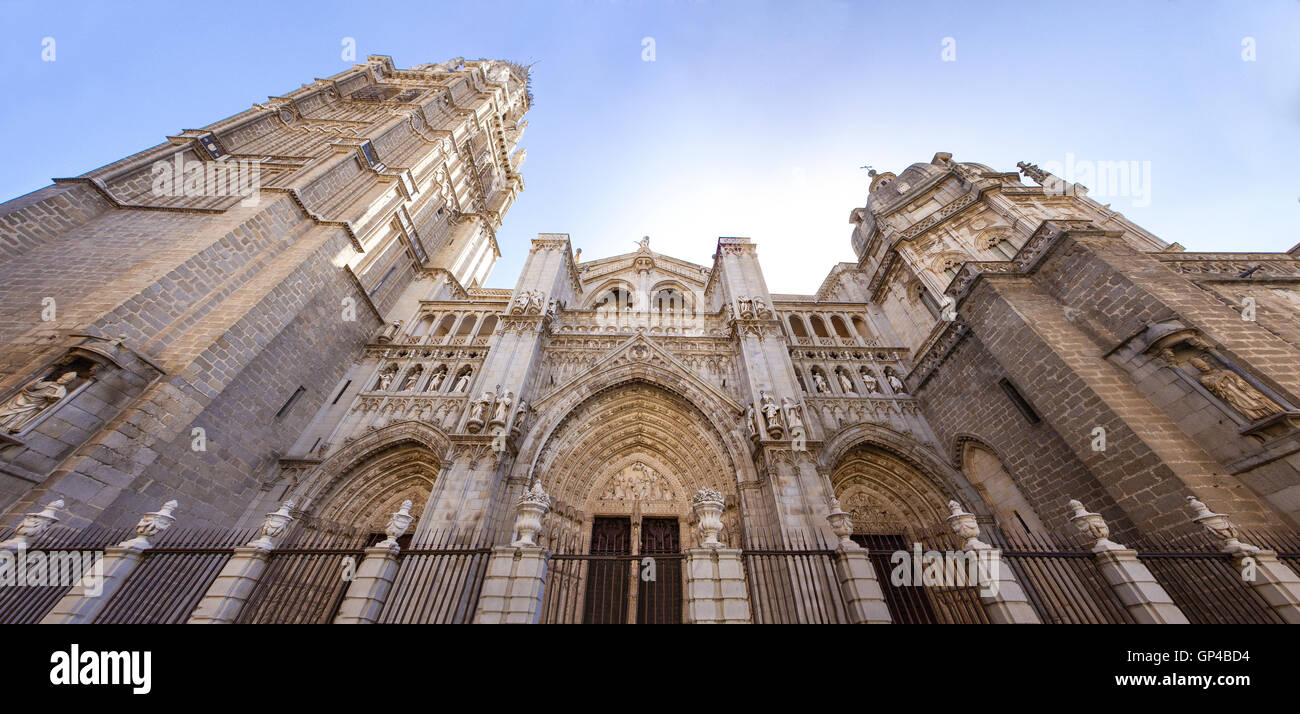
(988, 475)
(889, 479)
(636, 407)
(361, 483)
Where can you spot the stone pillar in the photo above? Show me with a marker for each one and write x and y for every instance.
(228, 593)
(516, 574)
(715, 575)
(715, 587)
(513, 588)
(368, 591)
(80, 605)
(1003, 599)
(1260, 569)
(863, 597)
(1135, 586)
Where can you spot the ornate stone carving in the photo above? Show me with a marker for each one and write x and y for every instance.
(1092, 526)
(274, 526)
(964, 526)
(33, 525)
(398, 522)
(1236, 391)
(772, 415)
(1220, 527)
(708, 505)
(530, 508)
(841, 524)
(528, 302)
(152, 525)
(638, 483)
(478, 413)
(33, 400)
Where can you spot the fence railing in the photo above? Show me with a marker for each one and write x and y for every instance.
(439, 582)
(791, 578)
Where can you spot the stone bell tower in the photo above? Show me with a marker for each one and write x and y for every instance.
(172, 321)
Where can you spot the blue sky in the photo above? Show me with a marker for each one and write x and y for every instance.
(753, 119)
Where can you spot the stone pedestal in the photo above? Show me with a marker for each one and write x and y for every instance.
(512, 588)
(368, 592)
(1273, 580)
(228, 593)
(1137, 588)
(863, 598)
(715, 587)
(1005, 603)
(79, 607)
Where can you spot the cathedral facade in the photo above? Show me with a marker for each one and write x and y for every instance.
(284, 310)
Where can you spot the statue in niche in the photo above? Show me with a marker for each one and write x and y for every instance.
(462, 384)
(846, 383)
(869, 381)
(411, 378)
(751, 420)
(771, 411)
(895, 383)
(820, 382)
(435, 382)
(792, 410)
(503, 407)
(1236, 391)
(386, 377)
(31, 401)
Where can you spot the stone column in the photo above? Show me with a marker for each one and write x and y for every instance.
(82, 604)
(1003, 599)
(516, 574)
(369, 590)
(1135, 586)
(228, 593)
(1260, 569)
(863, 597)
(715, 575)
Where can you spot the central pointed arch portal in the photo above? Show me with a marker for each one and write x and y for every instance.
(621, 451)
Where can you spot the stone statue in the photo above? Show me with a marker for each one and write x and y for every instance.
(746, 306)
(869, 381)
(33, 400)
(643, 245)
(521, 302)
(386, 377)
(479, 409)
(792, 410)
(760, 307)
(503, 407)
(897, 385)
(751, 420)
(462, 384)
(435, 382)
(535, 301)
(771, 412)
(846, 383)
(820, 382)
(1236, 391)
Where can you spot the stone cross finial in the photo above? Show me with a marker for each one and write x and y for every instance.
(1093, 526)
(1220, 527)
(33, 525)
(151, 525)
(532, 505)
(708, 505)
(274, 526)
(398, 522)
(965, 526)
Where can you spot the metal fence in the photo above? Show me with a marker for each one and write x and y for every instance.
(25, 604)
(791, 578)
(172, 577)
(439, 581)
(305, 578)
(612, 588)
